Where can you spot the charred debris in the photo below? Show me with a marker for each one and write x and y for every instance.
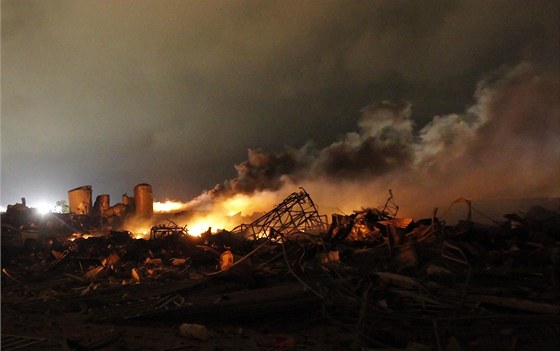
(392, 283)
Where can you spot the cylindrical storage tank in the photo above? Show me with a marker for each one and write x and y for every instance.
(102, 203)
(79, 200)
(144, 200)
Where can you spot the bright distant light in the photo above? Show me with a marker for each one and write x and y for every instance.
(2, 209)
(43, 208)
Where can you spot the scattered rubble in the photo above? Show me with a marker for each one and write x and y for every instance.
(383, 282)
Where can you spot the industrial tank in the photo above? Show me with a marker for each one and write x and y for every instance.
(144, 200)
(79, 200)
(102, 203)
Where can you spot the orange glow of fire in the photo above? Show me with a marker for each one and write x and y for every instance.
(169, 206)
(78, 235)
(139, 230)
(201, 223)
(225, 214)
(141, 234)
(247, 204)
(228, 213)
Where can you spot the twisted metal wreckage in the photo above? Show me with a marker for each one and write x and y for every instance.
(297, 213)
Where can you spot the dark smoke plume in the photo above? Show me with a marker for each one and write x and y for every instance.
(507, 144)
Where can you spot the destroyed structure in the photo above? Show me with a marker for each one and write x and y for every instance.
(297, 213)
(384, 282)
(79, 203)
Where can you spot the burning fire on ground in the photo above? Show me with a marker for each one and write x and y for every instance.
(216, 215)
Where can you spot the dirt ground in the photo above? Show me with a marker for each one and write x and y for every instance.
(72, 331)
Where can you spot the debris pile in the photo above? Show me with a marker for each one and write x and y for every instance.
(389, 283)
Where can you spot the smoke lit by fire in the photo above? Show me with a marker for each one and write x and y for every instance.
(495, 148)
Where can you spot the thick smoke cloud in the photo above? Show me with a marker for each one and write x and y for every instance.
(262, 171)
(505, 145)
(382, 145)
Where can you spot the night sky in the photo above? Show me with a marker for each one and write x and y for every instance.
(434, 99)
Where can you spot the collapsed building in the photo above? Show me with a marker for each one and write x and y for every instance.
(141, 205)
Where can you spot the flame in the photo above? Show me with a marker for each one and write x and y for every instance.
(78, 235)
(169, 206)
(230, 212)
(141, 234)
(202, 222)
(139, 229)
(225, 213)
